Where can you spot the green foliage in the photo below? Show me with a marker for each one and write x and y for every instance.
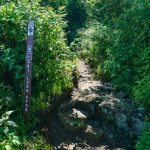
(8, 136)
(130, 63)
(96, 42)
(144, 140)
(37, 143)
(54, 3)
(116, 42)
(52, 62)
(6, 97)
(52, 59)
(76, 16)
(141, 91)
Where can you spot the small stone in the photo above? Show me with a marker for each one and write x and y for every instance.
(101, 148)
(79, 114)
(71, 147)
(89, 129)
(93, 134)
(58, 147)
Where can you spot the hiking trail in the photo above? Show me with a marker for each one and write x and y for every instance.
(95, 117)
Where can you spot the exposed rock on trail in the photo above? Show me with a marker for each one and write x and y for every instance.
(96, 117)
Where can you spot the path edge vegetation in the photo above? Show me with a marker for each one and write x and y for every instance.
(53, 63)
(112, 36)
(115, 41)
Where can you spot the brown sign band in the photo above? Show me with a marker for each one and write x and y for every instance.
(28, 69)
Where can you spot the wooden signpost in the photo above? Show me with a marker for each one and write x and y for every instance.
(28, 69)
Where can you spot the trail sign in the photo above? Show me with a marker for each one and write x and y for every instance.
(28, 69)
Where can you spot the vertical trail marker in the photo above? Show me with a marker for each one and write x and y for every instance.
(28, 69)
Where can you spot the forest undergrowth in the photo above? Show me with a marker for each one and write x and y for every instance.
(111, 36)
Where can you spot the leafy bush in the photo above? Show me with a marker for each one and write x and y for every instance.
(141, 91)
(76, 16)
(54, 3)
(129, 61)
(52, 61)
(96, 40)
(36, 143)
(52, 58)
(144, 140)
(116, 42)
(8, 136)
(6, 98)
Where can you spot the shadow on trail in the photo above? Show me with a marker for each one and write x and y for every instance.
(94, 117)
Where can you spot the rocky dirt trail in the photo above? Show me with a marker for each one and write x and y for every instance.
(95, 117)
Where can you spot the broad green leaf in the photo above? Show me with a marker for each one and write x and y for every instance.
(8, 147)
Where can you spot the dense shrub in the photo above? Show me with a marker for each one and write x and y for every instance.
(118, 44)
(52, 61)
(141, 91)
(37, 142)
(8, 135)
(131, 47)
(54, 3)
(76, 16)
(95, 43)
(144, 140)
